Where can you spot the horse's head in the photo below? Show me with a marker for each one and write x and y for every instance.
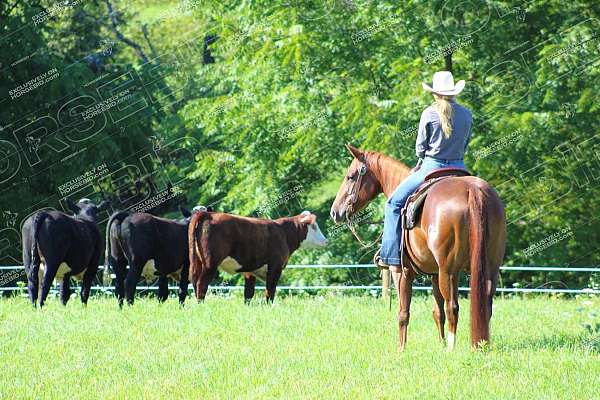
(360, 186)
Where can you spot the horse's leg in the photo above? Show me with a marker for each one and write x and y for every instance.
(448, 284)
(404, 295)
(397, 278)
(439, 316)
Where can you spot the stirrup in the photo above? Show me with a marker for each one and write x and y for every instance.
(383, 266)
(379, 262)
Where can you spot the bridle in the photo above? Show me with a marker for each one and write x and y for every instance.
(355, 188)
(352, 199)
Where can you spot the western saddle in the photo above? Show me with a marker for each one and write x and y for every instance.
(414, 204)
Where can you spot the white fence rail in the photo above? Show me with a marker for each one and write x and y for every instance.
(538, 289)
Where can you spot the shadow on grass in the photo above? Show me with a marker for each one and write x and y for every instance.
(582, 342)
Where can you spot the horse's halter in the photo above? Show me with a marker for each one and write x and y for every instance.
(353, 191)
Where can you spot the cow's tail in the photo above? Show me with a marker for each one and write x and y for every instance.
(35, 255)
(117, 217)
(197, 261)
(480, 330)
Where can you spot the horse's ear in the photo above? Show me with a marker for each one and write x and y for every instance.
(356, 153)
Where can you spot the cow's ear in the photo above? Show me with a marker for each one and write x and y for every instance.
(104, 204)
(209, 209)
(308, 218)
(185, 212)
(72, 206)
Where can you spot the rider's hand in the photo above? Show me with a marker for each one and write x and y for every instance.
(416, 167)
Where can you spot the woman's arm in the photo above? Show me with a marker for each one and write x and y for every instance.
(422, 143)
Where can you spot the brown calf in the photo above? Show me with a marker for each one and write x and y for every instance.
(247, 245)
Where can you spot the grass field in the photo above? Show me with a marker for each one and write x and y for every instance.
(311, 347)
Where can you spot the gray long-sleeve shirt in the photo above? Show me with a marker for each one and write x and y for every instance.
(431, 140)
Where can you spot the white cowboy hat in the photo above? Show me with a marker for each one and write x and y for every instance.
(443, 83)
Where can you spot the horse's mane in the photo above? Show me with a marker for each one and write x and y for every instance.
(389, 171)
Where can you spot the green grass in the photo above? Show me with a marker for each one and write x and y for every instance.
(310, 347)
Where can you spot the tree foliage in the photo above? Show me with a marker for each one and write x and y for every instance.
(256, 98)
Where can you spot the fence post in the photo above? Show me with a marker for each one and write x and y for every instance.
(385, 283)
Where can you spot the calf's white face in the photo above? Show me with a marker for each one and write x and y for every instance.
(314, 236)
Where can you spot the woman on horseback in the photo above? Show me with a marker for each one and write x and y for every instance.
(442, 139)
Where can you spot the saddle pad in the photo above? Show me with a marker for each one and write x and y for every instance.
(414, 203)
(447, 171)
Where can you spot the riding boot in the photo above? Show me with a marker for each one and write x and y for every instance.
(378, 261)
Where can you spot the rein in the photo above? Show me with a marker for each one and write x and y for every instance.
(353, 193)
(362, 242)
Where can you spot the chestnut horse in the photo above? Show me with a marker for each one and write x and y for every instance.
(462, 227)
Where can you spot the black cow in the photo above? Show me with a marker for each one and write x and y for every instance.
(65, 246)
(153, 247)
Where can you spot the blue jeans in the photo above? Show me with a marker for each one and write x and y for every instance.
(392, 228)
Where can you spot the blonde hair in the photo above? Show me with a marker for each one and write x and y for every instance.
(443, 106)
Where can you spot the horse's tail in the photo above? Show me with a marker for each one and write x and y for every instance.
(118, 216)
(35, 229)
(480, 330)
(197, 261)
